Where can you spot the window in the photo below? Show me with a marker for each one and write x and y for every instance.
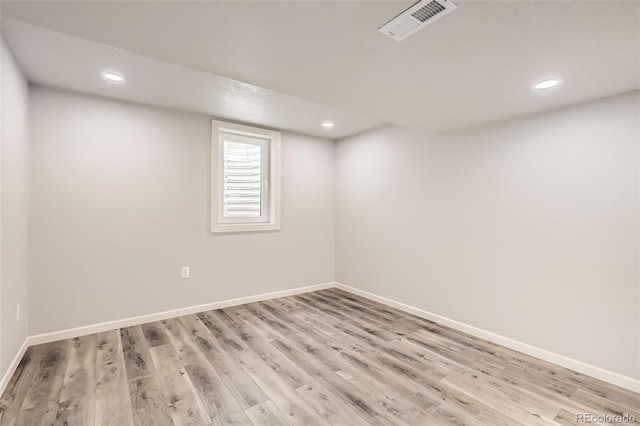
(245, 178)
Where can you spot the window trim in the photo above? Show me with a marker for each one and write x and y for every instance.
(272, 192)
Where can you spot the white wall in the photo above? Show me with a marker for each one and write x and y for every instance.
(14, 206)
(120, 200)
(528, 228)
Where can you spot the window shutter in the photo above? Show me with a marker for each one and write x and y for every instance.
(242, 191)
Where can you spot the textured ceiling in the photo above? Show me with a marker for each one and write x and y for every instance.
(473, 66)
(54, 59)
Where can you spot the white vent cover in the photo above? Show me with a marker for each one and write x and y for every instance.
(416, 17)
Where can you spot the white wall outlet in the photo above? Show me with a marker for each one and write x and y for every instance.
(18, 312)
(184, 272)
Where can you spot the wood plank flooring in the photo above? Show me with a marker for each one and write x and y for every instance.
(322, 358)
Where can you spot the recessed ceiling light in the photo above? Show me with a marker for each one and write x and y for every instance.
(547, 84)
(327, 125)
(117, 78)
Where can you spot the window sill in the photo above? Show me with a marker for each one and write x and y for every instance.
(223, 228)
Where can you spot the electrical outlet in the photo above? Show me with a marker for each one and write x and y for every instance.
(184, 272)
(18, 312)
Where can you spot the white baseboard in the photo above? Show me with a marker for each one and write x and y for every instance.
(12, 367)
(561, 360)
(142, 319)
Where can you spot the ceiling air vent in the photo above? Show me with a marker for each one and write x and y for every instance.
(416, 18)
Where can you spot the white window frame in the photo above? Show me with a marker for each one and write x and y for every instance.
(269, 219)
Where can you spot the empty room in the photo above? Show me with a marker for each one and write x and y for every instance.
(319, 212)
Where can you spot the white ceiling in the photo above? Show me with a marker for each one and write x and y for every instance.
(59, 60)
(473, 66)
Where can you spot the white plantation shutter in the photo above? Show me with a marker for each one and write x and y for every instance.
(242, 187)
(244, 171)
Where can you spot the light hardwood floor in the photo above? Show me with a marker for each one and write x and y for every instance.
(323, 358)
